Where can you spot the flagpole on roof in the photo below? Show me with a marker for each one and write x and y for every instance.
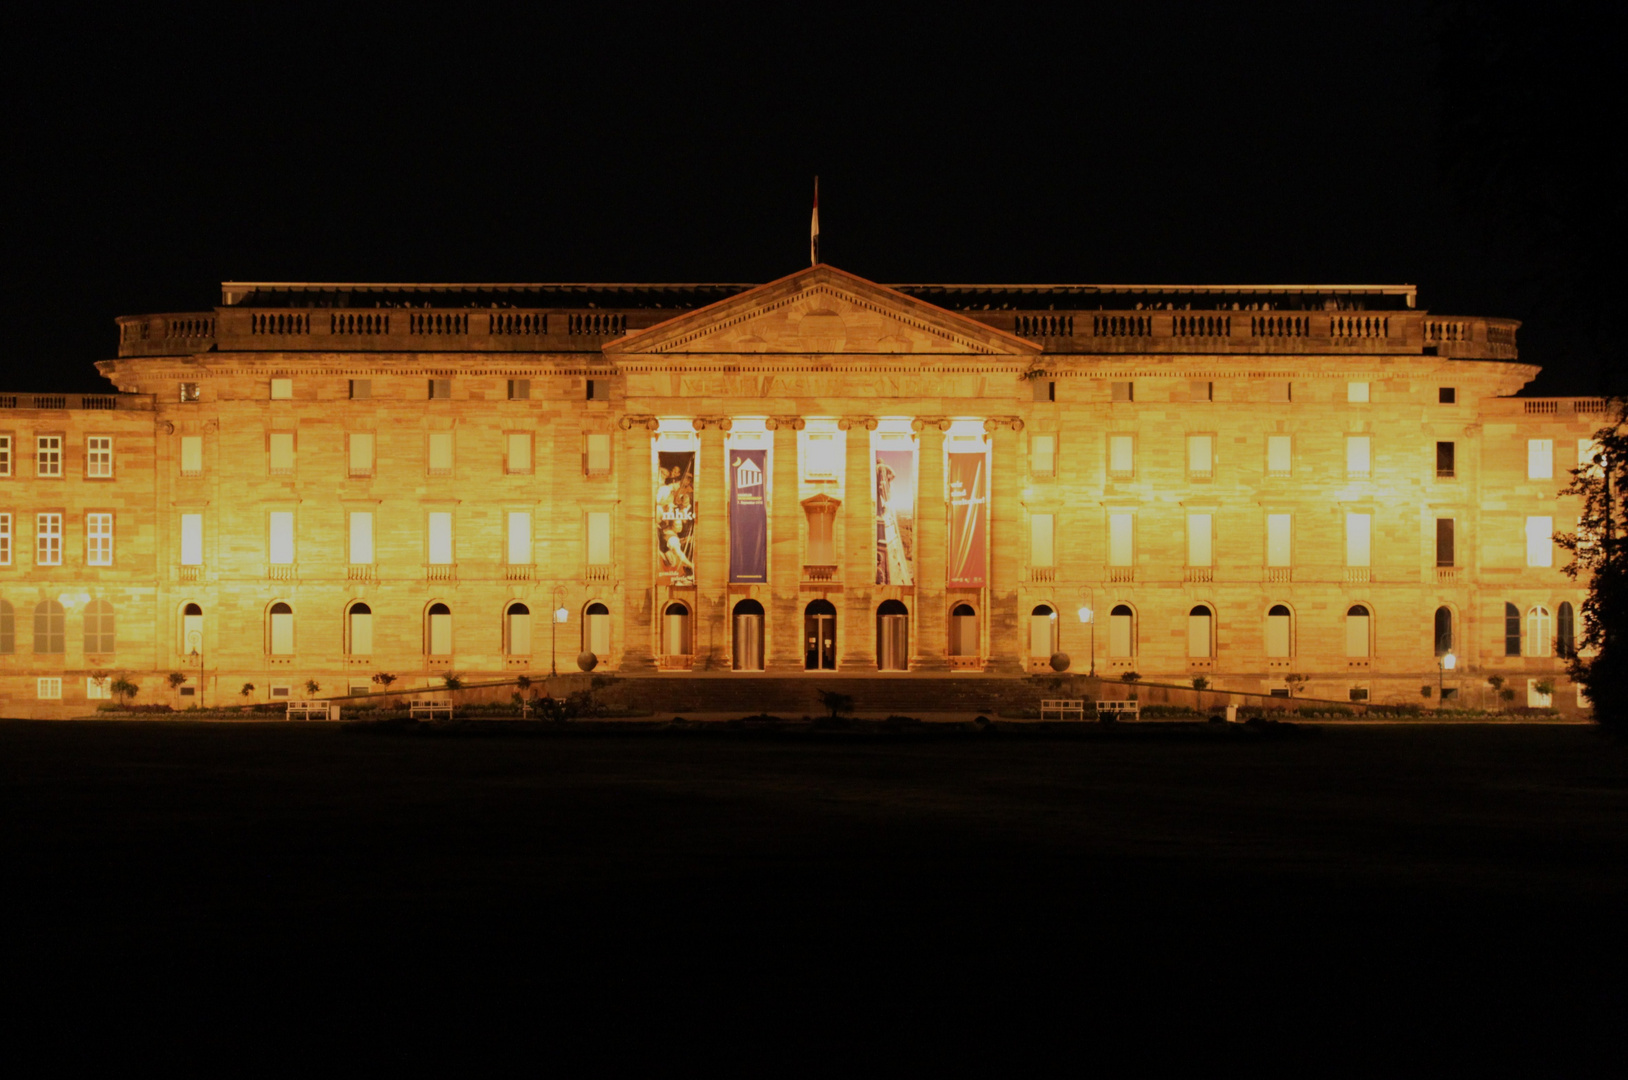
(814, 228)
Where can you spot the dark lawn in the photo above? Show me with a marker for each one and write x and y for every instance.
(1410, 894)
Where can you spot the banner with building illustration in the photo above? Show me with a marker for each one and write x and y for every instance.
(748, 517)
(675, 517)
(894, 473)
(969, 519)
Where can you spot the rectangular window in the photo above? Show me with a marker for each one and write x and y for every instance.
(822, 456)
(519, 389)
(1446, 460)
(517, 452)
(1446, 395)
(597, 390)
(822, 548)
(5, 539)
(1199, 539)
(519, 546)
(597, 454)
(98, 539)
(1280, 390)
(1200, 457)
(97, 689)
(599, 538)
(361, 389)
(1359, 456)
(5, 455)
(280, 691)
(1444, 541)
(1277, 540)
(99, 457)
(1040, 540)
(1358, 531)
(191, 539)
(282, 389)
(281, 449)
(1045, 390)
(280, 537)
(1201, 391)
(49, 689)
(1279, 459)
(440, 453)
(361, 538)
(1540, 541)
(440, 539)
(192, 455)
(1043, 455)
(1120, 533)
(361, 453)
(1122, 456)
(440, 389)
(189, 393)
(1356, 393)
(1540, 459)
(1512, 630)
(48, 539)
(49, 460)
(1122, 391)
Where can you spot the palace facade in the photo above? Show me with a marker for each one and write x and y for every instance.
(320, 482)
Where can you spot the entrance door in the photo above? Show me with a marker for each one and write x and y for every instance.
(820, 636)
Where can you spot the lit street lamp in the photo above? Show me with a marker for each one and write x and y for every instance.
(1089, 617)
(560, 615)
(195, 642)
(1447, 663)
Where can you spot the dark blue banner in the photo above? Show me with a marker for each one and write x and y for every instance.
(748, 518)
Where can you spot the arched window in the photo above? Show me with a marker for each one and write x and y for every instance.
(820, 636)
(675, 630)
(1279, 632)
(963, 631)
(8, 628)
(596, 630)
(359, 630)
(1200, 627)
(50, 629)
(1122, 631)
(1043, 630)
(1512, 630)
(438, 630)
(98, 627)
(892, 636)
(1444, 630)
(1539, 631)
(517, 629)
(280, 638)
(191, 629)
(1357, 631)
(1565, 631)
(748, 636)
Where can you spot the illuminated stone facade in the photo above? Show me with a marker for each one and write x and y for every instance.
(1228, 478)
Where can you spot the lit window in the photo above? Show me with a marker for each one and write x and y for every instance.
(5, 539)
(1537, 699)
(1121, 456)
(1540, 459)
(49, 459)
(191, 539)
(1588, 457)
(282, 389)
(1120, 533)
(440, 453)
(597, 456)
(1358, 456)
(99, 457)
(98, 539)
(1043, 455)
(519, 537)
(599, 538)
(1358, 529)
(1279, 459)
(192, 455)
(822, 456)
(48, 539)
(440, 538)
(281, 449)
(361, 453)
(361, 538)
(1040, 541)
(1356, 393)
(98, 689)
(1199, 539)
(1200, 457)
(1539, 631)
(189, 392)
(49, 689)
(517, 457)
(5, 455)
(1277, 539)
(280, 542)
(1540, 541)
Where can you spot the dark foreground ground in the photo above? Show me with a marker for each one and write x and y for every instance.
(1405, 899)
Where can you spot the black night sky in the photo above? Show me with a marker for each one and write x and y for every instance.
(1457, 147)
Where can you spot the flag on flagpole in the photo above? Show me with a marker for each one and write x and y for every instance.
(814, 228)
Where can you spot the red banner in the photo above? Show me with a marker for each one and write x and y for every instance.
(969, 519)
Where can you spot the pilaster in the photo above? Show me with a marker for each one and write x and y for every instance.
(930, 640)
(857, 614)
(712, 640)
(634, 543)
(783, 632)
(1008, 555)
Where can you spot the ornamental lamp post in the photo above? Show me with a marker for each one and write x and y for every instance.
(560, 615)
(1089, 617)
(195, 640)
(1447, 663)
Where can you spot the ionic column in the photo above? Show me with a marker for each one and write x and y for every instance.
(783, 636)
(712, 641)
(635, 544)
(1008, 549)
(930, 643)
(856, 618)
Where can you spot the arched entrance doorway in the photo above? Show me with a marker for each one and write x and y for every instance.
(820, 636)
(892, 636)
(963, 631)
(748, 636)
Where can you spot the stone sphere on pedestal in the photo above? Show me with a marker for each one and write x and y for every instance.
(587, 661)
(1059, 661)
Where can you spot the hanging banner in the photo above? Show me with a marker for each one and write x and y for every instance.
(895, 473)
(748, 518)
(675, 517)
(969, 519)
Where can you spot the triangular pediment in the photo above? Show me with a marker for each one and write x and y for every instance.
(821, 311)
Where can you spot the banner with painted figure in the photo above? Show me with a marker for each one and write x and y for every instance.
(895, 473)
(969, 519)
(675, 517)
(748, 517)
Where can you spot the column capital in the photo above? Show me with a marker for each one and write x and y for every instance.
(921, 423)
(995, 424)
(848, 423)
(633, 420)
(795, 423)
(702, 423)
